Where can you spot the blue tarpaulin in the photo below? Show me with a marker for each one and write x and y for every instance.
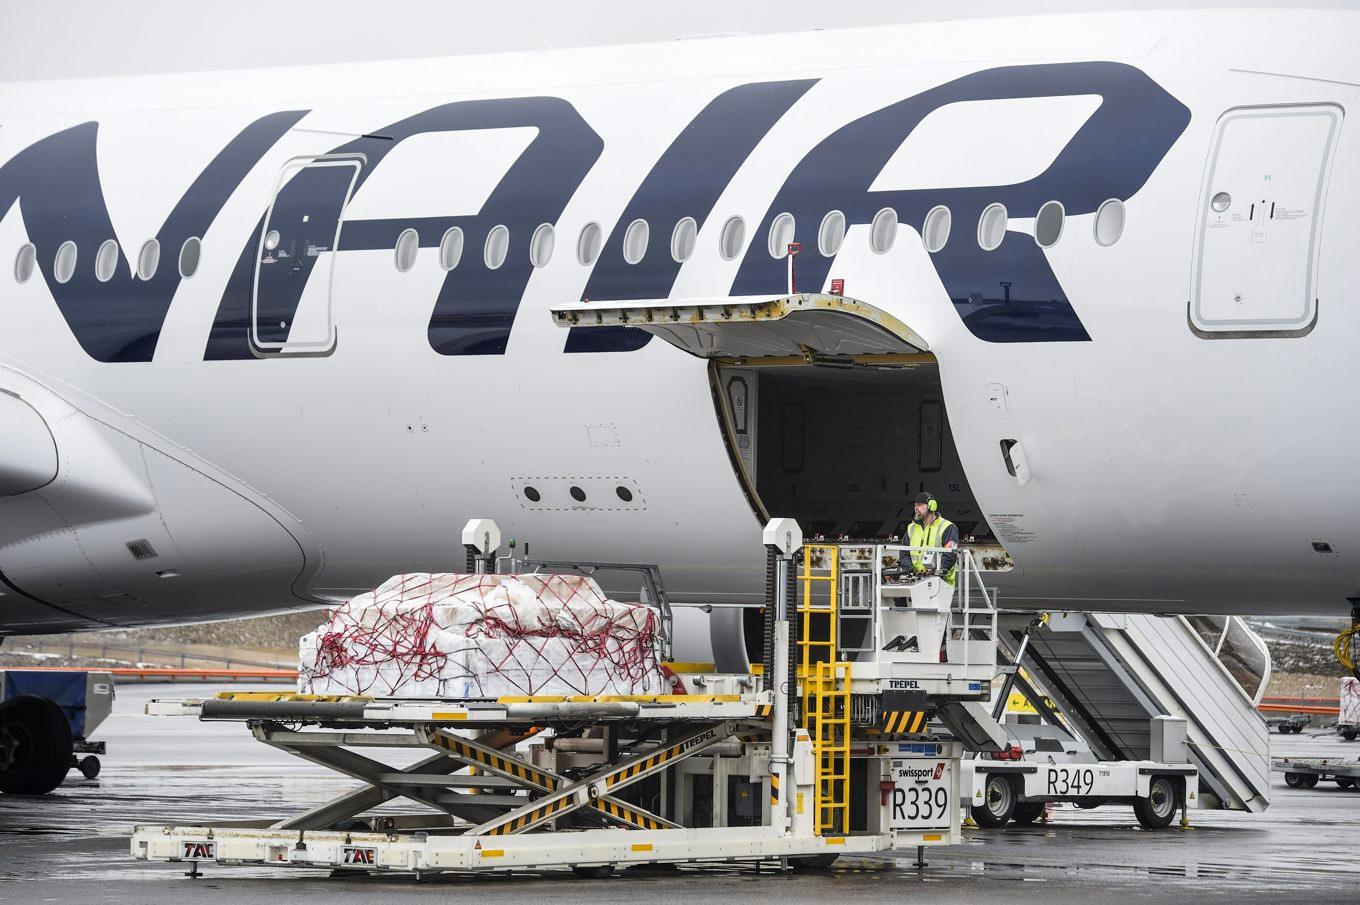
(65, 688)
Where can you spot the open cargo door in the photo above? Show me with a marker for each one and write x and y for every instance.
(805, 328)
(832, 412)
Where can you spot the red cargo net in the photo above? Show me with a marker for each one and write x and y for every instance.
(572, 638)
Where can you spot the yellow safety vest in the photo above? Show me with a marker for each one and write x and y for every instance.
(932, 535)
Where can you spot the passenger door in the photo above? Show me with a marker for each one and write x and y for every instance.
(291, 309)
(1260, 221)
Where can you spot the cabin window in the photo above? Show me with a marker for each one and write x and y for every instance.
(1109, 222)
(588, 244)
(541, 245)
(149, 259)
(781, 235)
(1048, 225)
(935, 230)
(408, 243)
(831, 234)
(682, 239)
(635, 241)
(106, 260)
(64, 266)
(883, 231)
(451, 248)
(497, 247)
(190, 254)
(732, 239)
(992, 227)
(24, 262)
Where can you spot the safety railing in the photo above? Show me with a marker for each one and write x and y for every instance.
(971, 632)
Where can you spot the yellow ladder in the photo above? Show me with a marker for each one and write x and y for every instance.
(825, 686)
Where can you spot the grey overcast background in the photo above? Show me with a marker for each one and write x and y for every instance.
(47, 39)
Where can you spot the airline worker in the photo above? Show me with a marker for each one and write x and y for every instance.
(930, 529)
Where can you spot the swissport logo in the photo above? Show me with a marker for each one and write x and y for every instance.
(922, 773)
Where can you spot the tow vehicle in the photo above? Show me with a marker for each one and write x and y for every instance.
(1045, 764)
(46, 718)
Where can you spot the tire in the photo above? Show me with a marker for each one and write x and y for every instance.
(1350, 734)
(1345, 782)
(813, 862)
(41, 739)
(998, 802)
(1026, 812)
(1159, 808)
(1293, 780)
(89, 766)
(593, 871)
(1309, 781)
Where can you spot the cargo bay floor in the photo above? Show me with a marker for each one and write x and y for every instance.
(73, 845)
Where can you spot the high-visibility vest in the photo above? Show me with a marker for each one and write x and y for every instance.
(932, 535)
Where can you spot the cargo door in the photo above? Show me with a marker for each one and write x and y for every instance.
(805, 328)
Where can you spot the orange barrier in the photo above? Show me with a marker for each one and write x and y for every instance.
(1321, 710)
(1292, 699)
(175, 674)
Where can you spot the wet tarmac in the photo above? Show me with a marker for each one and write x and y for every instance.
(72, 846)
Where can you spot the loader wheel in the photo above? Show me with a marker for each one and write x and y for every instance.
(998, 802)
(592, 871)
(1345, 782)
(1309, 781)
(1026, 812)
(35, 745)
(1158, 810)
(813, 862)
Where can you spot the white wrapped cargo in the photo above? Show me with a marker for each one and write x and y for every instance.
(1350, 703)
(483, 636)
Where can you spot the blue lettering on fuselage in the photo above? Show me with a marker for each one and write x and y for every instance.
(686, 182)
(56, 182)
(1007, 295)
(477, 304)
(1010, 294)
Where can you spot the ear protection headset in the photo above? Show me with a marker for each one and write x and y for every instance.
(933, 505)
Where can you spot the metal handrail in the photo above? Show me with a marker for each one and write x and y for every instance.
(966, 569)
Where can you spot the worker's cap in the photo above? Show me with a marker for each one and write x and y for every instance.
(924, 497)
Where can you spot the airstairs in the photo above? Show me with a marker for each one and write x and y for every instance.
(1109, 674)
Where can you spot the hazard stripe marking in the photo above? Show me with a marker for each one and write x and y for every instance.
(897, 722)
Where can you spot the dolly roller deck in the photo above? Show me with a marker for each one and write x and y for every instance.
(362, 710)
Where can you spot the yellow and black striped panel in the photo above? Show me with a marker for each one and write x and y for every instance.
(644, 765)
(530, 818)
(774, 790)
(903, 722)
(507, 766)
(633, 818)
(764, 711)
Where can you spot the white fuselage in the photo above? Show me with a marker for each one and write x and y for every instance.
(1190, 453)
